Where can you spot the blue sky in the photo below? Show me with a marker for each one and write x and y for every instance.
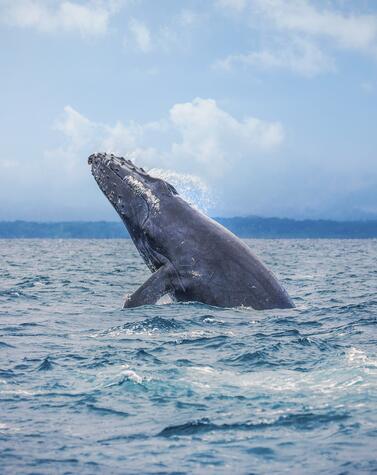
(265, 107)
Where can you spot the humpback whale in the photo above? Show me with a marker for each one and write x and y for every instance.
(191, 256)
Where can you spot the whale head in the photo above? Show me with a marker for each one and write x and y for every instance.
(135, 195)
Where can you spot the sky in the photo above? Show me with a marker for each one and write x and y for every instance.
(249, 107)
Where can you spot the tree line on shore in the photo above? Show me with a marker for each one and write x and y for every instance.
(246, 227)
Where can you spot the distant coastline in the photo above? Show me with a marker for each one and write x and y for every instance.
(246, 227)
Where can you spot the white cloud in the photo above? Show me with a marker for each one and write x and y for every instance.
(300, 35)
(141, 35)
(213, 139)
(90, 18)
(198, 135)
(76, 127)
(350, 31)
(201, 142)
(297, 55)
(83, 136)
(78, 132)
(174, 34)
(237, 5)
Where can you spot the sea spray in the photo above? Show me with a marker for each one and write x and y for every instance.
(192, 188)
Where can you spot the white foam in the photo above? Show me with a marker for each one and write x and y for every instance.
(321, 383)
(116, 375)
(165, 300)
(360, 358)
(133, 376)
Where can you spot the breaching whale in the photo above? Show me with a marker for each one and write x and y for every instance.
(191, 256)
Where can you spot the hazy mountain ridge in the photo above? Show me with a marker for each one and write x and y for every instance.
(251, 226)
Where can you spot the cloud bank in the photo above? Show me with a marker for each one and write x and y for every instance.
(300, 35)
(198, 146)
(90, 18)
(147, 57)
(198, 137)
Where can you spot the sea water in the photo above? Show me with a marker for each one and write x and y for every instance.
(86, 387)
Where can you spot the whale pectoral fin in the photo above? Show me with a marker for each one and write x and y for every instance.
(154, 288)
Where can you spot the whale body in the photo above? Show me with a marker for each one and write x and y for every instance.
(191, 256)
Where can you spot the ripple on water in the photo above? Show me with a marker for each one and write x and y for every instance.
(186, 388)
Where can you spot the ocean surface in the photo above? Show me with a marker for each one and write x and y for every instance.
(88, 388)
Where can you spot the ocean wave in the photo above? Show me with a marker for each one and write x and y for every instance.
(153, 325)
(16, 293)
(186, 387)
(46, 365)
(298, 421)
(6, 345)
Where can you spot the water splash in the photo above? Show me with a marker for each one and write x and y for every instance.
(192, 188)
